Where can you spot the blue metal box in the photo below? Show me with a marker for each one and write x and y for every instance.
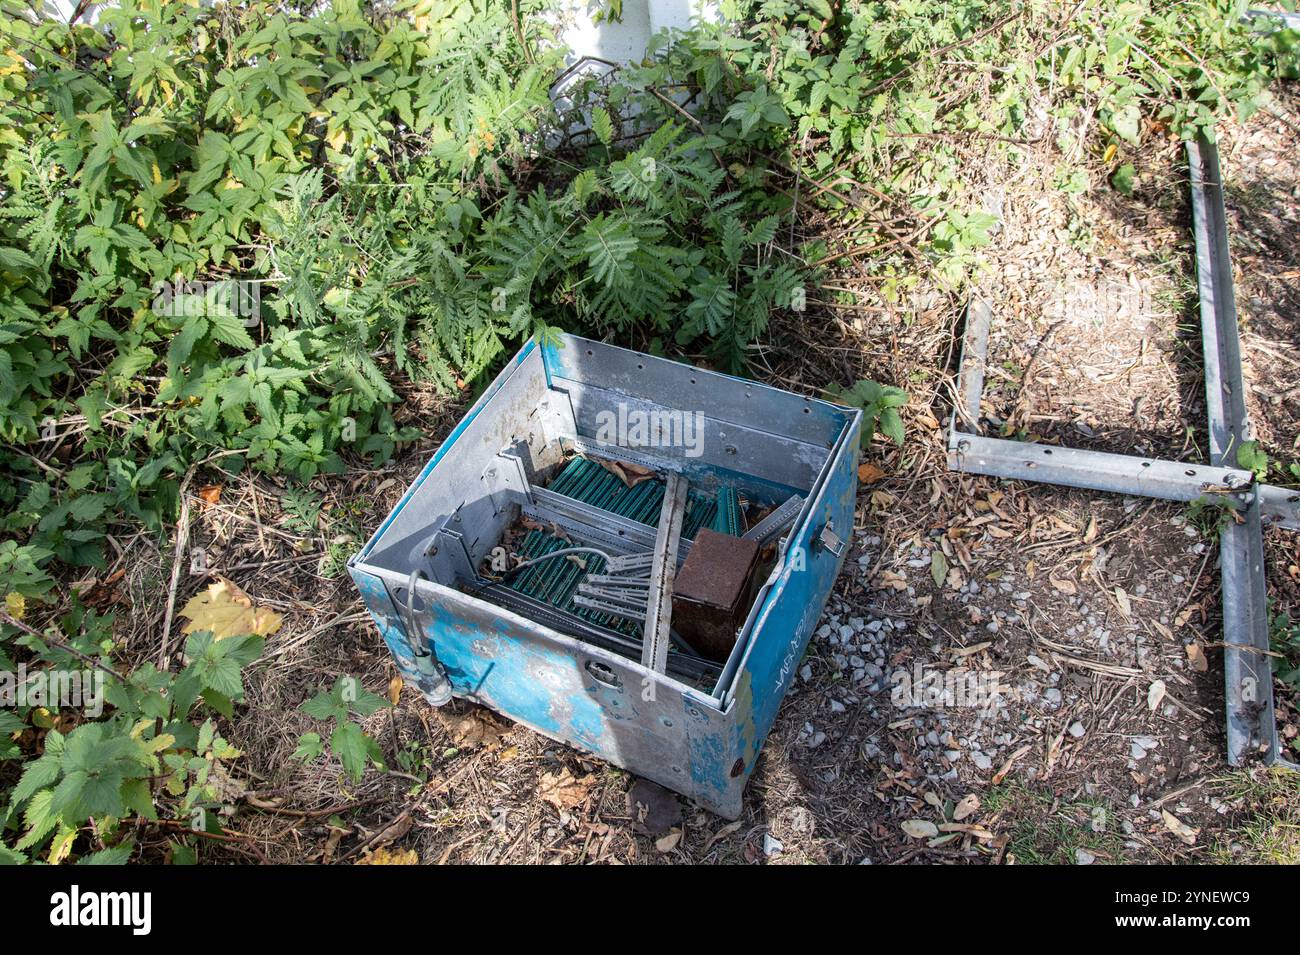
(696, 726)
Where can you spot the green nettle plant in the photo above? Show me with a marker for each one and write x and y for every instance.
(347, 741)
(250, 228)
(86, 783)
(879, 404)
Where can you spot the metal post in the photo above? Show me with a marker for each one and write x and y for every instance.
(1248, 678)
(663, 569)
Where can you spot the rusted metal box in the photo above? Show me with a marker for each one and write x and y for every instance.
(698, 726)
(713, 592)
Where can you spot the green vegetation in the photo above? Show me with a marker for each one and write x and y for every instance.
(879, 404)
(1284, 636)
(1268, 829)
(402, 202)
(1044, 830)
(347, 741)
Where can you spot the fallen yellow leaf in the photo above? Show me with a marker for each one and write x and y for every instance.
(226, 611)
(1063, 585)
(391, 857)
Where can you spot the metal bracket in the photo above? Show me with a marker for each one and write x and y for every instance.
(833, 543)
(775, 524)
(449, 555)
(507, 481)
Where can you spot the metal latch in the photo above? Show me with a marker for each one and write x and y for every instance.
(831, 541)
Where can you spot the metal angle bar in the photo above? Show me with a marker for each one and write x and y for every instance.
(775, 523)
(610, 607)
(1280, 506)
(634, 535)
(1224, 389)
(1093, 470)
(633, 598)
(1278, 19)
(1252, 726)
(1248, 679)
(627, 582)
(633, 565)
(970, 373)
(654, 647)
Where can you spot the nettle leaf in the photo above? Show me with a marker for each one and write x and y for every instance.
(230, 330)
(310, 747)
(10, 857)
(367, 703)
(891, 425)
(40, 819)
(215, 665)
(117, 855)
(326, 706)
(38, 774)
(353, 748)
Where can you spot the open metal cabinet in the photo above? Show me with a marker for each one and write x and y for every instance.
(692, 723)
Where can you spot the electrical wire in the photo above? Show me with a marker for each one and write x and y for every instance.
(562, 552)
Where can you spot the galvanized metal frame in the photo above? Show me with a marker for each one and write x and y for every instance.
(1251, 723)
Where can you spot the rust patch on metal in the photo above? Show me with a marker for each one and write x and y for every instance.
(712, 592)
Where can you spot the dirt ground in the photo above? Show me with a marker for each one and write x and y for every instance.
(1096, 616)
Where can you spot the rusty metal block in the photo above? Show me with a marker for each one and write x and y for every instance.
(713, 591)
